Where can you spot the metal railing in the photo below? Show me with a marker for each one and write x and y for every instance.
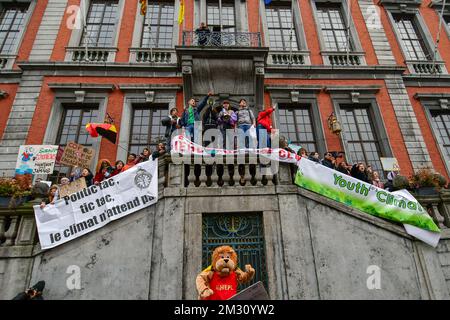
(221, 39)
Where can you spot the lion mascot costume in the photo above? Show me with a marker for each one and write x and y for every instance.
(220, 280)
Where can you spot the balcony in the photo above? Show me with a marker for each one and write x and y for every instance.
(18, 228)
(285, 58)
(339, 59)
(6, 61)
(153, 56)
(221, 39)
(426, 67)
(91, 54)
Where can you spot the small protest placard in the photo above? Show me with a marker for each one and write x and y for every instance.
(390, 164)
(77, 155)
(72, 187)
(36, 159)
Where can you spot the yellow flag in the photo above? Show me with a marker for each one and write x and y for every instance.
(143, 7)
(181, 12)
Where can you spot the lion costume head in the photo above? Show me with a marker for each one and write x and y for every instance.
(220, 280)
(224, 260)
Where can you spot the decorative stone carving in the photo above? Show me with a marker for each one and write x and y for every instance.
(80, 95)
(187, 70)
(295, 95)
(355, 97)
(443, 103)
(149, 96)
(259, 71)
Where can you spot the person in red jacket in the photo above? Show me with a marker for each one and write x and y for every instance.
(264, 123)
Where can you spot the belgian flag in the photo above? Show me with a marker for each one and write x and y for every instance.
(143, 4)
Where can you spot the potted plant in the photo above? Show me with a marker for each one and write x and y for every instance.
(425, 182)
(12, 193)
(401, 182)
(440, 180)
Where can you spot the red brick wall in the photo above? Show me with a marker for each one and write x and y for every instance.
(126, 31)
(63, 38)
(6, 104)
(384, 103)
(31, 31)
(431, 18)
(114, 107)
(395, 47)
(427, 131)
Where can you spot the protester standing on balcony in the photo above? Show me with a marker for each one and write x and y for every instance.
(203, 34)
(144, 156)
(314, 156)
(131, 161)
(172, 123)
(245, 118)
(264, 125)
(359, 172)
(118, 168)
(226, 120)
(376, 180)
(191, 114)
(53, 195)
(103, 171)
(329, 161)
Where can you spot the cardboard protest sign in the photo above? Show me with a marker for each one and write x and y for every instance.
(77, 155)
(390, 164)
(72, 187)
(36, 159)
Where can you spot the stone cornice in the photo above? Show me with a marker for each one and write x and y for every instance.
(141, 87)
(82, 86)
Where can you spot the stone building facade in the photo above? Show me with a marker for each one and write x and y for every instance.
(389, 90)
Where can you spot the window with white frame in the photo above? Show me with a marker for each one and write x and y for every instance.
(158, 25)
(333, 26)
(100, 23)
(221, 18)
(12, 20)
(360, 135)
(411, 38)
(280, 24)
(297, 125)
(73, 128)
(441, 125)
(146, 128)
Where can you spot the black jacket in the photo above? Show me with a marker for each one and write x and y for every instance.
(185, 116)
(170, 127)
(355, 173)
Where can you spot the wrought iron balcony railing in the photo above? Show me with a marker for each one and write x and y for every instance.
(221, 39)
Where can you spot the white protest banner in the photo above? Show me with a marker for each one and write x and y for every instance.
(93, 207)
(390, 164)
(181, 144)
(366, 197)
(36, 159)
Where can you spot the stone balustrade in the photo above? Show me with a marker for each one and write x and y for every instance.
(153, 56)
(285, 58)
(426, 67)
(342, 59)
(18, 226)
(80, 54)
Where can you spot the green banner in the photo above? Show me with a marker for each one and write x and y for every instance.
(362, 196)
